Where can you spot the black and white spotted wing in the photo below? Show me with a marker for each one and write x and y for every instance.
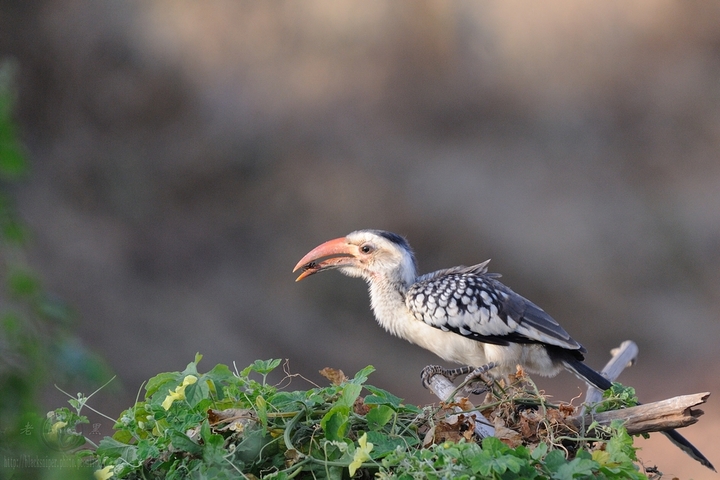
(473, 303)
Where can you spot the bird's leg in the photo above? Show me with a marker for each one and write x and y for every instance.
(478, 374)
(449, 373)
(453, 373)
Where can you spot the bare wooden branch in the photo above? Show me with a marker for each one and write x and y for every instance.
(622, 357)
(676, 412)
(443, 389)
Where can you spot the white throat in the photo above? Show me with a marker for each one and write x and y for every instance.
(387, 300)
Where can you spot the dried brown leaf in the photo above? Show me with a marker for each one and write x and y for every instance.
(360, 407)
(509, 437)
(336, 377)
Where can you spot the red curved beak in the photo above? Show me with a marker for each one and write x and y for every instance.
(337, 251)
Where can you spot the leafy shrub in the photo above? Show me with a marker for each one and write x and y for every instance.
(230, 424)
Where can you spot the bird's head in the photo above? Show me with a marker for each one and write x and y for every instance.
(371, 254)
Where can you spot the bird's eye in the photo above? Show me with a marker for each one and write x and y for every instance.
(367, 248)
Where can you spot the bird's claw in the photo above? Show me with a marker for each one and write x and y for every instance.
(475, 382)
(449, 373)
(430, 371)
(477, 374)
(472, 375)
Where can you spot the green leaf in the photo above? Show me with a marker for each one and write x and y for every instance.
(261, 410)
(385, 444)
(219, 374)
(382, 397)
(554, 460)
(616, 397)
(501, 458)
(123, 436)
(507, 462)
(146, 449)
(577, 468)
(620, 446)
(159, 381)
(539, 451)
(481, 463)
(210, 438)
(379, 416)
(12, 161)
(335, 423)
(253, 442)
(23, 283)
(12, 158)
(191, 368)
(350, 393)
(112, 448)
(182, 442)
(362, 376)
(14, 232)
(263, 367)
(197, 392)
(494, 446)
(11, 323)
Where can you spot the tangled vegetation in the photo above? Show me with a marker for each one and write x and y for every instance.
(234, 424)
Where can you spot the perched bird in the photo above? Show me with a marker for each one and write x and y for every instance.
(462, 314)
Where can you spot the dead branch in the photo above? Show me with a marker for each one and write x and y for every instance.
(676, 412)
(443, 389)
(622, 356)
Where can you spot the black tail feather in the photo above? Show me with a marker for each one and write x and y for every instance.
(597, 380)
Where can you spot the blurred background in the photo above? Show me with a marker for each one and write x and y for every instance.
(185, 155)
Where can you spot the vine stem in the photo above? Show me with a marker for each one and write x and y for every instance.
(328, 463)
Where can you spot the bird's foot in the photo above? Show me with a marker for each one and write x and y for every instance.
(449, 373)
(476, 382)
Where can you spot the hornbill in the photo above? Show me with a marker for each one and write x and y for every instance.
(462, 314)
